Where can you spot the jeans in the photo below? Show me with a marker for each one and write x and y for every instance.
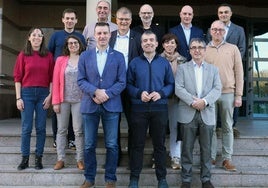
(157, 123)
(63, 122)
(110, 129)
(33, 98)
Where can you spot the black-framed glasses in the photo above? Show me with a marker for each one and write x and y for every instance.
(73, 43)
(215, 30)
(197, 48)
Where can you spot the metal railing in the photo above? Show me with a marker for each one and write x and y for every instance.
(5, 80)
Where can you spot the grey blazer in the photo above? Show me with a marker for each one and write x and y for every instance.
(185, 89)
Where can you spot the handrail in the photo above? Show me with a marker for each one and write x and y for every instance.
(6, 77)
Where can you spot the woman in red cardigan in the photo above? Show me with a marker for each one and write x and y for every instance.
(66, 97)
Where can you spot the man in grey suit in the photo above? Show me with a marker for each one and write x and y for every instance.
(234, 34)
(198, 86)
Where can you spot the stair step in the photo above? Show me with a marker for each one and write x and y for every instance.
(73, 177)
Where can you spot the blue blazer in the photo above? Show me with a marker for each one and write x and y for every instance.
(134, 48)
(113, 80)
(183, 47)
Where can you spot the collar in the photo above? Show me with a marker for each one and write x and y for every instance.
(123, 36)
(195, 64)
(101, 51)
(184, 27)
(211, 44)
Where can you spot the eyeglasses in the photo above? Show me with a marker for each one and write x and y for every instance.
(215, 30)
(73, 43)
(124, 19)
(37, 35)
(149, 13)
(197, 48)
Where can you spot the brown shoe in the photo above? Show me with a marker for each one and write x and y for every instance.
(110, 184)
(228, 165)
(59, 165)
(87, 184)
(213, 163)
(236, 132)
(80, 165)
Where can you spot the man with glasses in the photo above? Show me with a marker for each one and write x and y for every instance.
(185, 31)
(103, 11)
(146, 15)
(235, 35)
(227, 58)
(198, 86)
(128, 42)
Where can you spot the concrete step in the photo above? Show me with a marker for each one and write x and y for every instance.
(241, 158)
(244, 177)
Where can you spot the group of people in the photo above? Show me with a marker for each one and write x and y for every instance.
(110, 68)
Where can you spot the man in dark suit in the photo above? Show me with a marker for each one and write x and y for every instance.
(102, 78)
(185, 31)
(198, 86)
(235, 34)
(128, 42)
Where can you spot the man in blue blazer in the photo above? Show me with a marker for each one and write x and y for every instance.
(185, 31)
(102, 78)
(128, 42)
(198, 86)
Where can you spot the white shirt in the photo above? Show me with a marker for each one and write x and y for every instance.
(198, 78)
(122, 45)
(101, 59)
(187, 33)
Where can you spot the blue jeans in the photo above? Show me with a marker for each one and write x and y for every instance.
(110, 129)
(33, 98)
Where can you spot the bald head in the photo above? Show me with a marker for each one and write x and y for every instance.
(146, 14)
(186, 15)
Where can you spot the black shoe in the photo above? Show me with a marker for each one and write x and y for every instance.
(24, 163)
(207, 184)
(38, 162)
(71, 145)
(55, 144)
(186, 185)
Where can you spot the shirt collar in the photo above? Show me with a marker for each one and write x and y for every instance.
(98, 51)
(124, 36)
(212, 44)
(183, 26)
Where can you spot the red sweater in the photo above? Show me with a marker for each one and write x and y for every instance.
(34, 70)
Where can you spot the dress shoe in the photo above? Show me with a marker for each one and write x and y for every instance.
(186, 185)
(87, 184)
(80, 165)
(228, 165)
(110, 184)
(59, 165)
(38, 162)
(207, 184)
(24, 163)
